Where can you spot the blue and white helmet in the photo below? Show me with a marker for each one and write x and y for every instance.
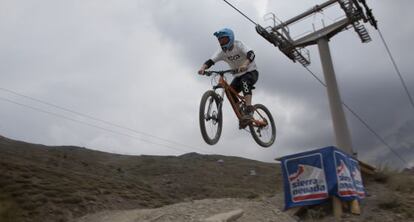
(226, 32)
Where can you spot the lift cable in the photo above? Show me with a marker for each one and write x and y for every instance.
(396, 69)
(100, 127)
(362, 121)
(100, 120)
(240, 12)
(346, 106)
(85, 123)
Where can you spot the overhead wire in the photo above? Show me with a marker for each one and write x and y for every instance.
(362, 121)
(346, 106)
(410, 98)
(99, 127)
(240, 12)
(97, 119)
(85, 123)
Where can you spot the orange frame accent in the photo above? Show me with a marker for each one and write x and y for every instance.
(235, 105)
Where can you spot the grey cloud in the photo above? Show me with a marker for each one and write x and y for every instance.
(101, 58)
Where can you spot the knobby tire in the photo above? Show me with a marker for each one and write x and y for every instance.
(217, 117)
(253, 130)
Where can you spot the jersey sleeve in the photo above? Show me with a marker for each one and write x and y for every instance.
(217, 56)
(244, 48)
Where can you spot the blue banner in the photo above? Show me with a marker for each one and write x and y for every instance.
(356, 174)
(311, 177)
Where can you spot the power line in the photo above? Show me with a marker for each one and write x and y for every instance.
(84, 123)
(92, 125)
(240, 12)
(362, 121)
(315, 76)
(99, 120)
(397, 69)
(353, 112)
(88, 124)
(376, 134)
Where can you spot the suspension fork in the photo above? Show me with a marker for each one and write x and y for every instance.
(208, 116)
(210, 102)
(221, 99)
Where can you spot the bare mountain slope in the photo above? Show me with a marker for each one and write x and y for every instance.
(40, 183)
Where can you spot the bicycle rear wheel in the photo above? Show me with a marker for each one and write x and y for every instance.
(264, 135)
(211, 117)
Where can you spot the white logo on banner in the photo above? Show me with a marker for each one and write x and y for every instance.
(356, 174)
(308, 183)
(345, 182)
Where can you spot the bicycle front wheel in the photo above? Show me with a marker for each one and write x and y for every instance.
(211, 117)
(263, 127)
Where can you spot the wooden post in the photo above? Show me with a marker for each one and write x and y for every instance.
(337, 207)
(355, 208)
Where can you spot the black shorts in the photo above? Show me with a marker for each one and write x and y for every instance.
(245, 82)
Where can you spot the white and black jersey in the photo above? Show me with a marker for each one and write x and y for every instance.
(235, 57)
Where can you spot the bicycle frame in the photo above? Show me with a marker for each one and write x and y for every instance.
(231, 94)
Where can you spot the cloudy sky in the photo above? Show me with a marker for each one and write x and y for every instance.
(133, 64)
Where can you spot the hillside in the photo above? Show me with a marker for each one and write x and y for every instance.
(42, 183)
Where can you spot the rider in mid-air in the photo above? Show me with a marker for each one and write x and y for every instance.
(241, 58)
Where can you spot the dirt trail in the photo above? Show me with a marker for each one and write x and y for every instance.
(253, 210)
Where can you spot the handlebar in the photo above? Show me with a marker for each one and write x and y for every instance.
(221, 73)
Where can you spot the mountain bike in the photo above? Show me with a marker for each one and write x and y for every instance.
(261, 126)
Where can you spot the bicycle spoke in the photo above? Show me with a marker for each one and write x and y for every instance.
(264, 135)
(210, 118)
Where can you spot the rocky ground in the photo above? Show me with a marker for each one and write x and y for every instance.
(40, 183)
(198, 210)
(380, 205)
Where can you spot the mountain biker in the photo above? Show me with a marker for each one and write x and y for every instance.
(241, 58)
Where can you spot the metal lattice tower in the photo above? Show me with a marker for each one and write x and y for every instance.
(356, 13)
